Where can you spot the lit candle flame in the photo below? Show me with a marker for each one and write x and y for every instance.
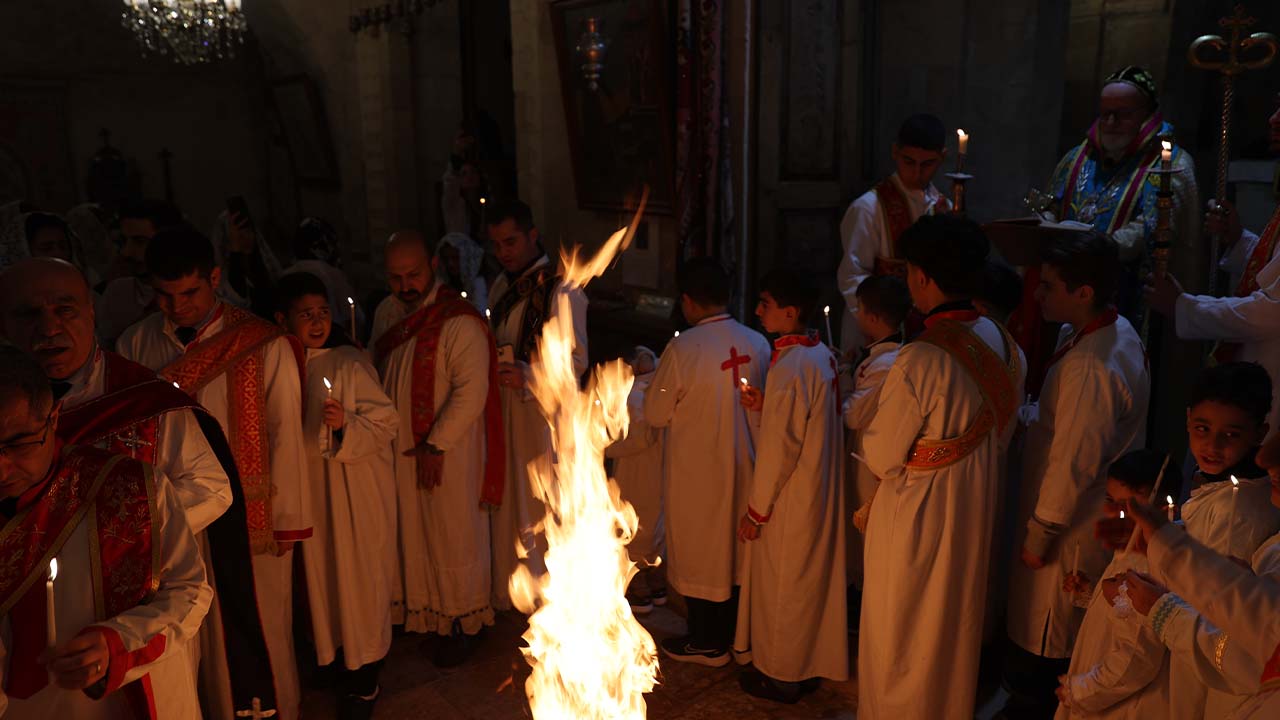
(1169, 498)
(1165, 144)
(483, 200)
(328, 385)
(963, 137)
(1234, 482)
(826, 309)
(350, 301)
(464, 294)
(53, 569)
(745, 383)
(1121, 514)
(677, 333)
(175, 384)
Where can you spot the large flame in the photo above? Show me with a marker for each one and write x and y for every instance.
(590, 657)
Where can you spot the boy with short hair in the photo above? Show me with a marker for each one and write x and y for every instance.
(791, 619)
(1116, 664)
(350, 559)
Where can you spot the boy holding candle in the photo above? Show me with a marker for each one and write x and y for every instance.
(348, 427)
(792, 620)
(1117, 666)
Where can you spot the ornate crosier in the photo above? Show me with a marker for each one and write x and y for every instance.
(1229, 58)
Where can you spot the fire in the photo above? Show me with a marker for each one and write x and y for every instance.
(590, 657)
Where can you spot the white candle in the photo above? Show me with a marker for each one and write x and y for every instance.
(487, 315)
(1231, 522)
(745, 385)
(328, 387)
(351, 305)
(964, 141)
(826, 314)
(1171, 506)
(1166, 154)
(51, 630)
(1121, 514)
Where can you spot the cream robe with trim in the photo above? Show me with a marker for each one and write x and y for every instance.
(444, 568)
(928, 539)
(860, 484)
(638, 470)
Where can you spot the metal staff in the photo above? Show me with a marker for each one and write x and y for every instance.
(1211, 52)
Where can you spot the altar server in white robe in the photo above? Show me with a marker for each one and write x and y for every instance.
(113, 525)
(638, 469)
(710, 455)
(937, 444)
(792, 624)
(1119, 669)
(1246, 323)
(247, 373)
(1092, 409)
(350, 559)
(522, 298)
(875, 221)
(437, 362)
(883, 303)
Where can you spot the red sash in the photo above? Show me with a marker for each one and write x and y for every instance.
(238, 351)
(425, 325)
(994, 376)
(127, 414)
(1262, 252)
(1106, 319)
(897, 215)
(1271, 671)
(113, 493)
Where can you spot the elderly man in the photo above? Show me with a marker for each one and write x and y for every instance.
(116, 404)
(439, 365)
(131, 587)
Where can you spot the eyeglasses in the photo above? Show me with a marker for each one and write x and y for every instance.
(21, 449)
(1120, 115)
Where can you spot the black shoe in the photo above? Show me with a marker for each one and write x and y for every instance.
(640, 604)
(355, 707)
(452, 650)
(682, 649)
(659, 597)
(757, 684)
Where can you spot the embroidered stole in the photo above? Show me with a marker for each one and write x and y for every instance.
(238, 351)
(994, 376)
(897, 216)
(1258, 259)
(1133, 186)
(424, 325)
(539, 286)
(115, 495)
(126, 417)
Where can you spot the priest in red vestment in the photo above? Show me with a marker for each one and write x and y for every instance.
(101, 634)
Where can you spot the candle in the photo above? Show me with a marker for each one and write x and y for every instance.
(1166, 154)
(487, 315)
(328, 386)
(745, 385)
(826, 314)
(677, 334)
(1231, 522)
(464, 294)
(51, 630)
(175, 384)
(351, 305)
(964, 141)
(1171, 506)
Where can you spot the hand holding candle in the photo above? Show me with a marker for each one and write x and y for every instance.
(333, 412)
(751, 398)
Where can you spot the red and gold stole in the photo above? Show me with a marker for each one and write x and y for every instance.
(897, 215)
(995, 377)
(115, 495)
(238, 351)
(424, 325)
(126, 417)
(1262, 252)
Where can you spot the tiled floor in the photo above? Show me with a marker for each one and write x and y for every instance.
(491, 685)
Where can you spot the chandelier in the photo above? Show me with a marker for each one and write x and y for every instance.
(193, 31)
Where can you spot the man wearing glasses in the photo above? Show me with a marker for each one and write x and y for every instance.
(130, 591)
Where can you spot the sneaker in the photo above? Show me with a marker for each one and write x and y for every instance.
(757, 684)
(659, 597)
(640, 604)
(682, 649)
(452, 650)
(356, 707)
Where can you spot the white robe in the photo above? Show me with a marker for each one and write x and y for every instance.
(1252, 321)
(928, 539)
(528, 440)
(183, 453)
(864, 232)
(860, 483)
(1223, 664)
(1244, 605)
(444, 567)
(1092, 410)
(152, 343)
(638, 470)
(351, 557)
(710, 451)
(1119, 668)
(791, 616)
(174, 611)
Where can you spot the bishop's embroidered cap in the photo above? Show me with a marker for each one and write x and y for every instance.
(1138, 77)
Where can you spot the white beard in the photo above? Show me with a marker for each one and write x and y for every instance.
(1114, 145)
